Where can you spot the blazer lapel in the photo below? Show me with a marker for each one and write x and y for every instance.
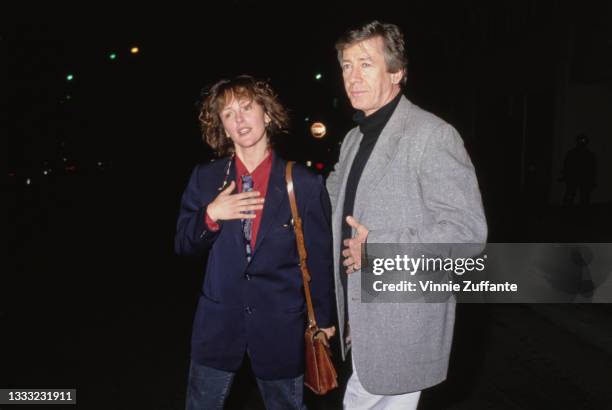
(234, 226)
(275, 197)
(383, 154)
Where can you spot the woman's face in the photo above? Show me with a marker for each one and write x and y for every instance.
(245, 123)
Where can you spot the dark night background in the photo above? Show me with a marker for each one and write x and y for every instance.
(93, 297)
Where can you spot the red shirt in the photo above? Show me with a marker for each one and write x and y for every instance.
(261, 176)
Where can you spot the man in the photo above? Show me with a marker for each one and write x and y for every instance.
(403, 177)
(579, 172)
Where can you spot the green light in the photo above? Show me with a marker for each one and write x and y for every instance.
(69, 77)
(318, 76)
(113, 56)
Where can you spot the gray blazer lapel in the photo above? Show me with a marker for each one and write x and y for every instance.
(354, 139)
(383, 154)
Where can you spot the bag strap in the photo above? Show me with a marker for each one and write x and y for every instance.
(299, 237)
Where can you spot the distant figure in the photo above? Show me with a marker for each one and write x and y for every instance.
(579, 172)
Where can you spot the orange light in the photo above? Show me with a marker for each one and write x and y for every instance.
(135, 50)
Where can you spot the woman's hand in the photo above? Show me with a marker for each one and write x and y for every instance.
(329, 331)
(228, 206)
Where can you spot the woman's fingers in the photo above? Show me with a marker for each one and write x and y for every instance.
(246, 195)
(228, 190)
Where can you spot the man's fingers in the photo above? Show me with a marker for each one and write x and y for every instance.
(353, 222)
(348, 261)
(346, 252)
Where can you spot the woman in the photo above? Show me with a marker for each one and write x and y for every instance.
(237, 209)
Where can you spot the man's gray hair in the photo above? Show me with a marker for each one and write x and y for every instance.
(393, 44)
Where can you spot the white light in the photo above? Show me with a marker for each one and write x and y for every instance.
(306, 119)
(28, 181)
(308, 163)
(99, 163)
(65, 159)
(318, 130)
(45, 172)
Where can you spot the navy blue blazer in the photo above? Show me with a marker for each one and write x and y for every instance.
(259, 307)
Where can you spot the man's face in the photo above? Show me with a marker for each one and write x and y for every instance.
(366, 80)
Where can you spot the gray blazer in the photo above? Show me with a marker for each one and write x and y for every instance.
(418, 186)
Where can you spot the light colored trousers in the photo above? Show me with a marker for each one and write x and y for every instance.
(358, 398)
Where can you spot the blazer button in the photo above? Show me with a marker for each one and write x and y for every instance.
(248, 310)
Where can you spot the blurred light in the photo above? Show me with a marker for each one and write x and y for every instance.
(64, 159)
(307, 119)
(69, 97)
(318, 76)
(70, 168)
(70, 77)
(135, 50)
(318, 130)
(112, 56)
(308, 163)
(11, 174)
(28, 181)
(99, 163)
(45, 172)
(319, 166)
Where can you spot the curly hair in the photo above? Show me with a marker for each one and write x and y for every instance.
(223, 92)
(393, 41)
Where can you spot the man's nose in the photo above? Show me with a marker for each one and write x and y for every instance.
(354, 75)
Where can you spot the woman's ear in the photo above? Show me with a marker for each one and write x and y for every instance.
(267, 119)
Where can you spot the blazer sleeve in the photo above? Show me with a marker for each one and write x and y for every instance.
(450, 191)
(318, 241)
(193, 236)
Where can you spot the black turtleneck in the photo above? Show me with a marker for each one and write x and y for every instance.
(371, 127)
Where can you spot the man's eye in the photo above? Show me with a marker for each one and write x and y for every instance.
(345, 67)
(365, 65)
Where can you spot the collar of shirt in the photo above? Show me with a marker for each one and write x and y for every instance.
(373, 124)
(260, 174)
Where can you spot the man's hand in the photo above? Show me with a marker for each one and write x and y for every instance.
(234, 206)
(352, 252)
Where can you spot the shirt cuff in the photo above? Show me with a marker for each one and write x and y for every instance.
(212, 225)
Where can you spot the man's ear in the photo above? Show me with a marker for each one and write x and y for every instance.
(396, 77)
